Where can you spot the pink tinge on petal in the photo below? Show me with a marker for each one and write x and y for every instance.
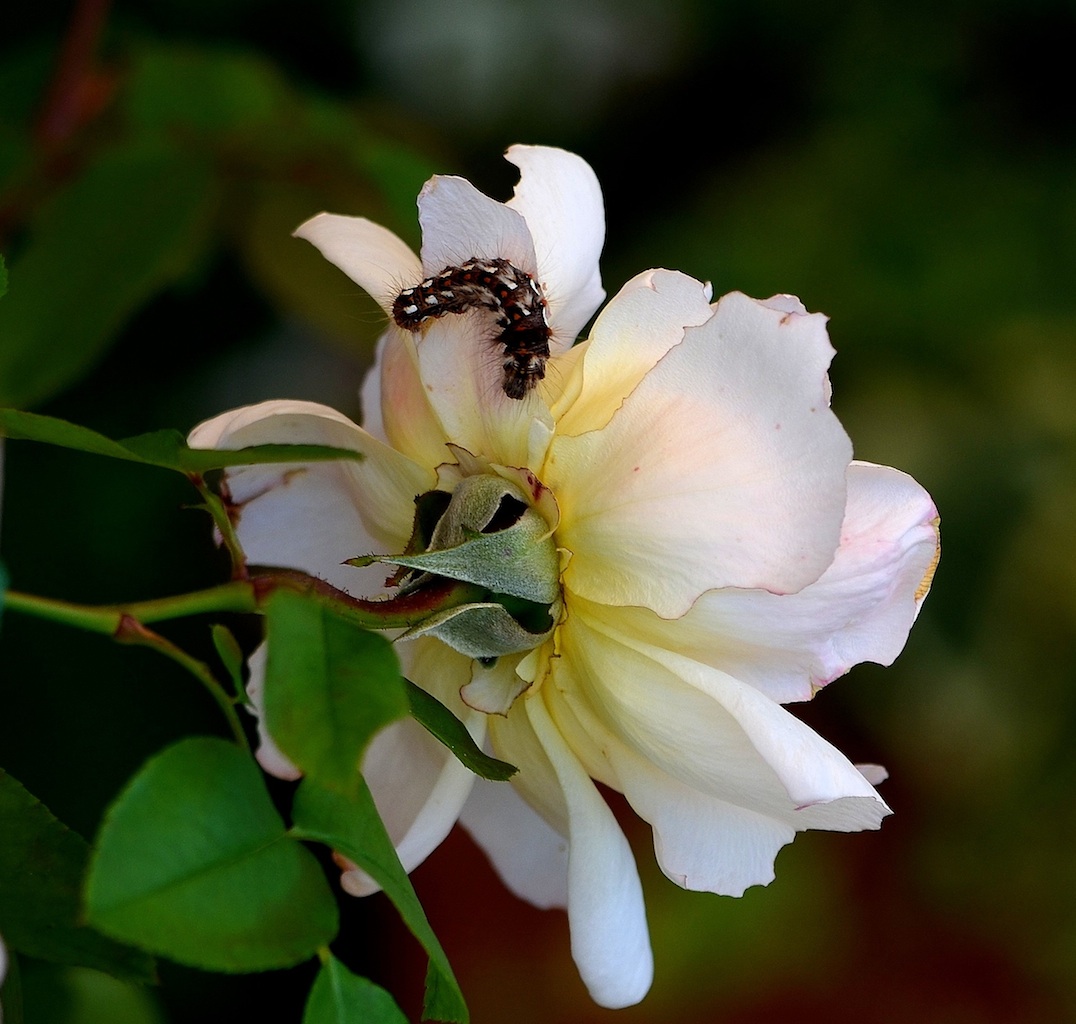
(723, 467)
(889, 551)
(875, 774)
(861, 609)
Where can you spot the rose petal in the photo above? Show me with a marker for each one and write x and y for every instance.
(861, 609)
(512, 738)
(709, 731)
(875, 774)
(268, 754)
(493, 689)
(701, 843)
(460, 367)
(460, 223)
(396, 406)
(460, 362)
(372, 420)
(559, 197)
(724, 467)
(419, 788)
(530, 857)
(610, 942)
(639, 326)
(418, 785)
(303, 514)
(372, 256)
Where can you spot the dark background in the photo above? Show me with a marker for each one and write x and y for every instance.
(908, 169)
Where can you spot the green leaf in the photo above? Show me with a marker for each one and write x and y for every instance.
(203, 91)
(193, 863)
(30, 426)
(231, 656)
(163, 448)
(42, 864)
(447, 728)
(329, 687)
(168, 449)
(77, 995)
(3, 277)
(340, 997)
(129, 224)
(352, 826)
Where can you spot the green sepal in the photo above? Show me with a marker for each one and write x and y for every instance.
(489, 537)
(520, 560)
(485, 630)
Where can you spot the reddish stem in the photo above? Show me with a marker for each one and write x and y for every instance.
(76, 92)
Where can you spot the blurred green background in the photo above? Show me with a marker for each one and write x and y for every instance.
(908, 169)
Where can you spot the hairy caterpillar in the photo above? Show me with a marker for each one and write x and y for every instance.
(510, 293)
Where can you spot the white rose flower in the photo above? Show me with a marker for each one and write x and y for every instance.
(720, 554)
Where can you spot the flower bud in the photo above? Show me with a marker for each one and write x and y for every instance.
(488, 535)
